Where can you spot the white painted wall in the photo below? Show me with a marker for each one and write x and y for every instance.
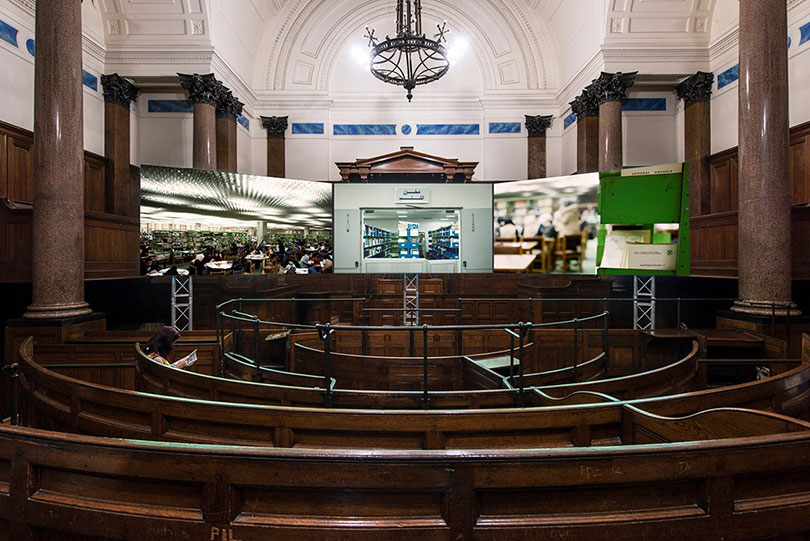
(649, 137)
(17, 77)
(164, 138)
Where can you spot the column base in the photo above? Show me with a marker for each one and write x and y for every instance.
(764, 308)
(57, 311)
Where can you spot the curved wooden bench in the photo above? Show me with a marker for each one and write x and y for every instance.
(736, 488)
(367, 372)
(156, 378)
(59, 403)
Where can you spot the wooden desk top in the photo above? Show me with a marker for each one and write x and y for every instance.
(512, 262)
(523, 245)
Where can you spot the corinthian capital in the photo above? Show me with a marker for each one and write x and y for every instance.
(537, 125)
(201, 88)
(613, 86)
(696, 88)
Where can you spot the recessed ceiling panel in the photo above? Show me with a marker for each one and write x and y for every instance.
(234, 196)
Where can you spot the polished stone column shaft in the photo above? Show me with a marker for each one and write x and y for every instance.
(203, 93)
(588, 144)
(586, 107)
(276, 127)
(610, 90)
(764, 254)
(610, 136)
(204, 154)
(537, 126)
(122, 196)
(228, 110)
(58, 223)
(696, 93)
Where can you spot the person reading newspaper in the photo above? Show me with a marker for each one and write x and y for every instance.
(161, 348)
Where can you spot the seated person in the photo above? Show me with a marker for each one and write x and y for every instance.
(509, 230)
(199, 264)
(149, 265)
(160, 348)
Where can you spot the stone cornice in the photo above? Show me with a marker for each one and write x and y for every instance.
(118, 90)
(276, 126)
(696, 88)
(537, 125)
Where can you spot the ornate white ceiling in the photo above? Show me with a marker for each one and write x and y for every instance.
(276, 47)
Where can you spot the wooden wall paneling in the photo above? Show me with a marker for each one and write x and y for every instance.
(800, 239)
(15, 241)
(713, 244)
(3, 166)
(94, 178)
(111, 245)
(723, 181)
(20, 164)
(800, 164)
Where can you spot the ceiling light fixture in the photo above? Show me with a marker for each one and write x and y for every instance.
(410, 58)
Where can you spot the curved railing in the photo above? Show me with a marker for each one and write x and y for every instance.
(326, 332)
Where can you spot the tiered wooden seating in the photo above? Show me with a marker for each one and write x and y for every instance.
(61, 403)
(755, 487)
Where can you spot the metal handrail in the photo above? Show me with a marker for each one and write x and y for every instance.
(513, 326)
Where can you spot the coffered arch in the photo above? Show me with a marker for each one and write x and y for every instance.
(503, 37)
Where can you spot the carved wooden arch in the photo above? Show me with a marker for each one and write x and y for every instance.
(407, 165)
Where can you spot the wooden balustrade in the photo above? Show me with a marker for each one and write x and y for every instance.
(739, 488)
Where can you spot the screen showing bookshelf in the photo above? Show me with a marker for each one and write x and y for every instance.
(430, 234)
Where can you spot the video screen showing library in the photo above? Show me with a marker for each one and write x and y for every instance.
(546, 225)
(431, 228)
(205, 222)
(633, 221)
(411, 234)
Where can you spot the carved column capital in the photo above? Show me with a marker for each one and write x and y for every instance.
(613, 86)
(118, 90)
(228, 106)
(537, 125)
(276, 126)
(695, 88)
(585, 104)
(201, 88)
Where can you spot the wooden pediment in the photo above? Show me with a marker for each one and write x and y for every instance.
(407, 165)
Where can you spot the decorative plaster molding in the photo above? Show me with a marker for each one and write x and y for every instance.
(94, 48)
(27, 6)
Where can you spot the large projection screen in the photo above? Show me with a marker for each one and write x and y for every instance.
(413, 228)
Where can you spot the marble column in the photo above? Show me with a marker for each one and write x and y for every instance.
(586, 107)
(537, 126)
(203, 93)
(228, 110)
(276, 127)
(610, 90)
(764, 244)
(58, 223)
(696, 92)
(121, 196)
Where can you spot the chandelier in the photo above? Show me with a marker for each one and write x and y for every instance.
(410, 58)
